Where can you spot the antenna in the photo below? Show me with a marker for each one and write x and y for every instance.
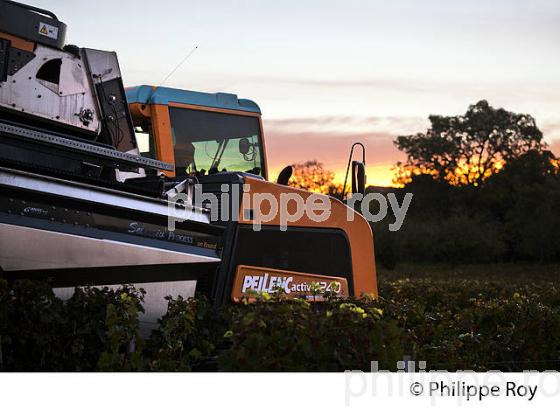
(172, 72)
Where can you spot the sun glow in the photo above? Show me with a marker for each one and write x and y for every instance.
(377, 175)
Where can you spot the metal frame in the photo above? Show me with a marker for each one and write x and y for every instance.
(86, 192)
(88, 147)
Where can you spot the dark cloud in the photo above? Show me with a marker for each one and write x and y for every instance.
(379, 124)
(475, 87)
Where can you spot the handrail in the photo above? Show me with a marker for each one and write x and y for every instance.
(32, 8)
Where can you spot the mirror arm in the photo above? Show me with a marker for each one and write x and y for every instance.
(349, 162)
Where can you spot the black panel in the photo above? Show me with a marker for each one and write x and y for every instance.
(199, 125)
(309, 250)
(201, 272)
(212, 184)
(18, 59)
(4, 59)
(31, 23)
(217, 286)
(117, 129)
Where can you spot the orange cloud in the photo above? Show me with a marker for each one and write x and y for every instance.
(292, 141)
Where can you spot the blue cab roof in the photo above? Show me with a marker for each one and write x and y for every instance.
(145, 94)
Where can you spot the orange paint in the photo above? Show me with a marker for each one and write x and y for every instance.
(212, 109)
(20, 43)
(163, 139)
(263, 151)
(358, 231)
(139, 112)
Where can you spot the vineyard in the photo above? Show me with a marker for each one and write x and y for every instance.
(483, 317)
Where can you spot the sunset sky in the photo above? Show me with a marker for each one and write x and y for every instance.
(328, 73)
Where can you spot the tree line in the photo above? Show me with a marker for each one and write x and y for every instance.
(486, 189)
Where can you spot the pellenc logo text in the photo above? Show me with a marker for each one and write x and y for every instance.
(270, 284)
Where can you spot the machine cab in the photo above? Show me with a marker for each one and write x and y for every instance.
(200, 133)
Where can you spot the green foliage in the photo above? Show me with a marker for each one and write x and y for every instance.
(32, 328)
(123, 346)
(294, 335)
(86, 313)
(188, 335)
(386, 247)
(451, 322)
(478, 325)
(457, 239)
(39, 332)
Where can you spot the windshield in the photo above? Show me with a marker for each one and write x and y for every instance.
(207, 141)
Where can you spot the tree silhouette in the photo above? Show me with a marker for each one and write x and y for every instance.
(467, 149)
(311, 176)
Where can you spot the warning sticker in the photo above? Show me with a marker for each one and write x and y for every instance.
(48, 31)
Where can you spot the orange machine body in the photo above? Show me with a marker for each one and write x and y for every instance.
(150, 107)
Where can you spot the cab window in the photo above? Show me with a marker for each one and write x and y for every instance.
(209, 142)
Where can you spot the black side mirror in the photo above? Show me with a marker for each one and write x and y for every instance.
(358, 178)
(244, 146)
(285, 175)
